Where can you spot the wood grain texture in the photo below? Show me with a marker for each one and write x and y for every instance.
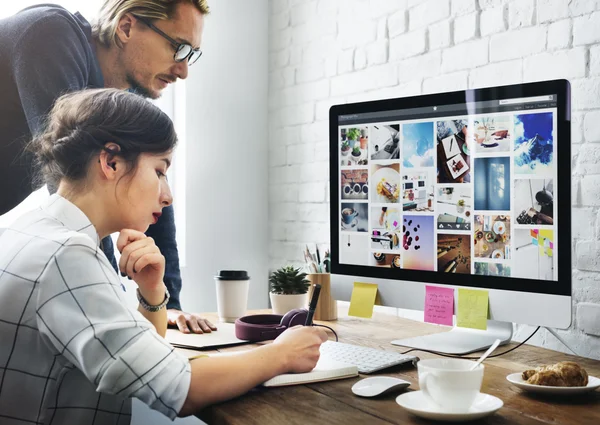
(333, 402)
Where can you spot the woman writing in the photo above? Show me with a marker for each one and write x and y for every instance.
(72, 351)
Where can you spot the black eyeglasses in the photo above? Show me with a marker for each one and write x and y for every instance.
(183, 51)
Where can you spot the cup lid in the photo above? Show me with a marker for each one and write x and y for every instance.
(232, 275)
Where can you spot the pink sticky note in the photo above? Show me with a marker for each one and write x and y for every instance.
(439, 305)
(551, 245)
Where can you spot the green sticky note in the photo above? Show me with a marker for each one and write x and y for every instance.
(363, 300)
(472, 309)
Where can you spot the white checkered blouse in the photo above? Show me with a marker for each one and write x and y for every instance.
(71, 351)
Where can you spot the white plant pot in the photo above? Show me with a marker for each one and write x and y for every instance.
(283, 303)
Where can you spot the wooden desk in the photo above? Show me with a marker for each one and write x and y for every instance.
(333, 402)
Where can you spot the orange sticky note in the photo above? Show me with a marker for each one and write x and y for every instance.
(362, 300)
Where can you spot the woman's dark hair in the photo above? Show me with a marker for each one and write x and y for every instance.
(81, 123)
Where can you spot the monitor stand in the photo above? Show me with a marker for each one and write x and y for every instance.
(461, 340)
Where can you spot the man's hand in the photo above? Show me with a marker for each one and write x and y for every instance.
(186, 322)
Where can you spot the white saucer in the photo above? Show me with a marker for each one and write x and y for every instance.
(416, 403)
(517, 379)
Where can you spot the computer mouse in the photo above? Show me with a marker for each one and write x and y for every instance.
(377, 385)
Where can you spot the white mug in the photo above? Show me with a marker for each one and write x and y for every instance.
(449, 383)
(232, 294)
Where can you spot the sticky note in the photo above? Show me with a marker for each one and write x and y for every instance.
(472, 309)
(533, 233)
(439, 305)
(534, 241)
(362, 300)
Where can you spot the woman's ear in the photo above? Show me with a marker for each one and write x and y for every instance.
(110, 162)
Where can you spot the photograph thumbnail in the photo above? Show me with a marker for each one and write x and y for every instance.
(534, 144)
(417, 145)
(384, 142)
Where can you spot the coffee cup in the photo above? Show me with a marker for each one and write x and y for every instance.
(450, 383)
(232, 294)
(348, 215)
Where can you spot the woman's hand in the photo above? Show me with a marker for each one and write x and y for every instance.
(142, 261)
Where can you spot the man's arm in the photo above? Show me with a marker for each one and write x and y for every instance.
(50, 59)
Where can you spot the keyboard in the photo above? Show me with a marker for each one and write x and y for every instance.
(367, 359)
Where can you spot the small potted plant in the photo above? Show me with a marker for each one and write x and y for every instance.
(288, 289)
(353, 135)
(345, 148)
(356, 153)
(460, 206)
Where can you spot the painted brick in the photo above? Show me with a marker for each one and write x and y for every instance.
(577, 127)
(310, 72)
(382, 29)
(346, 61)
(368, 79)
(318, 213)
(311, 192)
(590, 190)
(508, 72)
(440, 35)
(377, 53)
(314, 172)
(560, 34)
(281, 40)
(586, 93)
(446, 82)
(356, 32)
(521, 13)
(492, 21)
(289, 76)
(588, 318)
(379, 8)
(277, 232)
(297, 114)
(321, 49)
(552, 10)
(595, 60)
(586, 29)
(588, 256)
(397, 23)
(283, 211)
(360, 59)
(582, 7)
(323, 106)
(517, 44)
(428, 12)
(315, 132)
(463, 7)
(465, 56)
(582, 215)
(424, 66)
(330, 67)
(308, 92)
(588, 160)
(278, 6)
(280, 21)
(303, 12)
(407, 45)
(300, 154)
(591, 127)
(548, 66)
(277, 156)
(466, 27)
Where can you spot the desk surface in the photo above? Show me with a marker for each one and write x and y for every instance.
(333, 402)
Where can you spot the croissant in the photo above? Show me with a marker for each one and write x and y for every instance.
(562, 374)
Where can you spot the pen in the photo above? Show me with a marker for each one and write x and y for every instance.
(313, 304)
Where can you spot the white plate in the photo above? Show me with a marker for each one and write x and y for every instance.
(390, 175)
(516, 378)
(499, 227)
(416, 403)
(497, 251)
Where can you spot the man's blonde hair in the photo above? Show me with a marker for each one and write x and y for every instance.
(104, 28)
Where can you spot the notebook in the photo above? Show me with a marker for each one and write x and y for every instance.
(223, 336)
(326, 369)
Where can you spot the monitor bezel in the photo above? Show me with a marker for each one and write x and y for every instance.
(563, 286)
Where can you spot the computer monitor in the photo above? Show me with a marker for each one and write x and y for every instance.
(491, 207)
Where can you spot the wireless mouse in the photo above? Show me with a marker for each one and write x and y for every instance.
(377, 385)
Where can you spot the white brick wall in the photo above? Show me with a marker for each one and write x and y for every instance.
(327, 52)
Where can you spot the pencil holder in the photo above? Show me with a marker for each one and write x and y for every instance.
(326, 306)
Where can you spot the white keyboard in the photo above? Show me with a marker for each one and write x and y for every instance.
(367, 359)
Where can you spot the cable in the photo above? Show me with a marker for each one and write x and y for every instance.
(473, 358)
(323, 326)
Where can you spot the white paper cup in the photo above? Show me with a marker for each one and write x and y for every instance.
(232, 294)
(449, 383)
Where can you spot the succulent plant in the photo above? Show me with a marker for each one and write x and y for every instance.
(289, 281)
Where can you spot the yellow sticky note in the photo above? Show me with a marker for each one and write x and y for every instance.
(363, 300)
(472, 309)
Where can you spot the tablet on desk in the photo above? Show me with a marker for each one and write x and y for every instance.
(224, 336)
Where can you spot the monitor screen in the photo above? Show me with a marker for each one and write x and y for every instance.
(462, 184)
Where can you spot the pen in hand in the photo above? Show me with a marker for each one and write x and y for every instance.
(313, 304)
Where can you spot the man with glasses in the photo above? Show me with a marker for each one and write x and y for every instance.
(136, 45)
